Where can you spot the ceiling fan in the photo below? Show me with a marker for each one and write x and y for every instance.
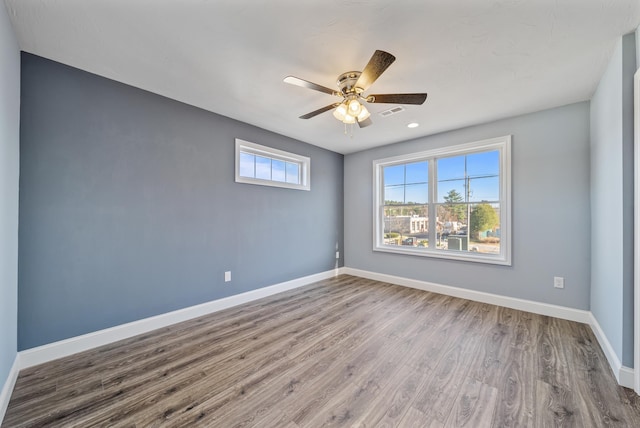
(352, 86)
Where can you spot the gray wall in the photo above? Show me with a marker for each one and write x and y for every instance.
(550, 170)
(129, 208)
(9, 163)
(612, 200)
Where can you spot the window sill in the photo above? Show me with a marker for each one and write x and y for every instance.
(465, 256)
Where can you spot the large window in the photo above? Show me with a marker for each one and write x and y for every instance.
(451, 203)
(256, 164)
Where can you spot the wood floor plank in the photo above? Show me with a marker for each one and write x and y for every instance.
(414, 418)
(474, 406)
(492, 354)
(553, 367)
(389, 408)
(526, 331)
(436, 398)
(556, 407)
(445, 325)
(516, 387)
(586, 364)
(345, 351)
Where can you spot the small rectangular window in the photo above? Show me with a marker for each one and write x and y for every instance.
(265, 166)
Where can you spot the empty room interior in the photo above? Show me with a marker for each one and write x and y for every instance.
(321, 213)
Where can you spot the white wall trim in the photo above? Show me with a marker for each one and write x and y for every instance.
(636, 222)
(479, 296)
(63, 348)
(624, 375)
(612, 357)
(7, 389)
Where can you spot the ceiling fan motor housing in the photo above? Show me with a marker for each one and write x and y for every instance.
(346, 82)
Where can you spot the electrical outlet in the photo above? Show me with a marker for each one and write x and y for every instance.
(558, 282)
(227, 276)
(337, 254)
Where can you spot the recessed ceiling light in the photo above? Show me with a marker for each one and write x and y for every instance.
(413, 125)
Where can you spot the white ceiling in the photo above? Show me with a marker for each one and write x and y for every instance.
(479, 60)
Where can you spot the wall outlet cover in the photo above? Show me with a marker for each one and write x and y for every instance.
(558, 282)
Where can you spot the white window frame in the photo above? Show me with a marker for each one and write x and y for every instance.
(503, 145)
(303, 162)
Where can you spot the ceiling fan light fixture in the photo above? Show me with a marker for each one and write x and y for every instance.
(340, 112)
(348, 119)
(364, 114)
(354, 107)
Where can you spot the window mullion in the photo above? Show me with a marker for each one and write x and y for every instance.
(433, 221)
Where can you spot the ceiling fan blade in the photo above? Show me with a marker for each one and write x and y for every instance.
(378, 63)
(306, 84)
(365, 123)
(397, 98)
(320, 110)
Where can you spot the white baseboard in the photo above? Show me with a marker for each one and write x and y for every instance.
(624, 375)
(63, 348)
(7, 389)
(612, 357)
(479, 296)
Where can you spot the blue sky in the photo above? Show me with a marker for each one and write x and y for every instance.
(409, 182)
(266, 168)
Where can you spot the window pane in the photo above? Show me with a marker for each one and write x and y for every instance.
(451, 168)
(263, 168)
(456, 214)
(484, 226)
(394, 195)
(484, 189)
(393, 175)
(451, 191)
(486, 163)
(407, 183)
(451, 179)
(406, 225)
(417, 172)
(278, 170)
(481, 174)
(247, 165)
(452, 223)
(416, 193)
(293, 174)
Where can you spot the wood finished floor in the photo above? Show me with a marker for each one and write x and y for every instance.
(342, 352)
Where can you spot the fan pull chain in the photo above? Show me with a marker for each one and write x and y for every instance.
(351, 129)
